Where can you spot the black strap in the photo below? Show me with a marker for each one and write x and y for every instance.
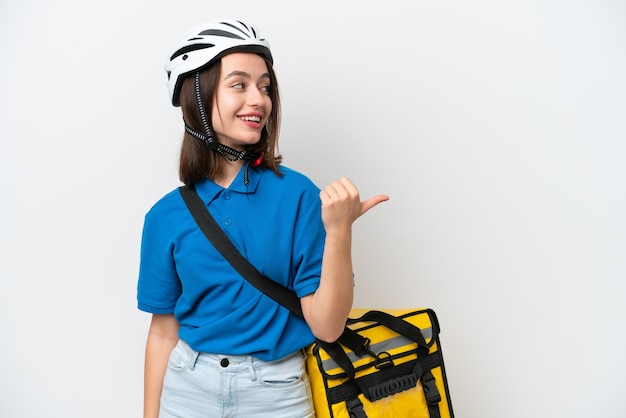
(398, 325)
(355, 408)
(281, 294)
(224, 245)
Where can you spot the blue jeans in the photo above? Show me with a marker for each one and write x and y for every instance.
(213, 385)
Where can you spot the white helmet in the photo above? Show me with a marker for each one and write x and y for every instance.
(205, 44)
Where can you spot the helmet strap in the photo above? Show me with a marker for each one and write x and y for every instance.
(208, 138)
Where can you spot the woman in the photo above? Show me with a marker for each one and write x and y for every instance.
(216, 345)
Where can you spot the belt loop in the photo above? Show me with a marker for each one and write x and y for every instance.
(192, 355)
(194, 359)
(251, 368)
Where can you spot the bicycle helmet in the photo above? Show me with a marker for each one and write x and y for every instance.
(206, 43)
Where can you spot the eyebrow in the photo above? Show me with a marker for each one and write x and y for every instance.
(244, 75)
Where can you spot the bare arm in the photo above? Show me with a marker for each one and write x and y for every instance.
(327, 309)
(162, 337)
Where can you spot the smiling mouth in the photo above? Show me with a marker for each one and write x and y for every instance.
(256, 119)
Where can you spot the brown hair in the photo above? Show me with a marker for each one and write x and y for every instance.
(197, 162)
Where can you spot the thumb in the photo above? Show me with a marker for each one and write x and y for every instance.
(371, 202)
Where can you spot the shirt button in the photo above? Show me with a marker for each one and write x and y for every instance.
(224, 362)
(227, 195)
(227, 221)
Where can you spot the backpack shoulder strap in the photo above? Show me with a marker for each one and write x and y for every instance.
(224, 245)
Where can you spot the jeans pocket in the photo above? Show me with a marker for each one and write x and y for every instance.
(284, 372)
(178, 360)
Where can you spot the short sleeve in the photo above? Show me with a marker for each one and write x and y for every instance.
(309, 242)
(158, 287)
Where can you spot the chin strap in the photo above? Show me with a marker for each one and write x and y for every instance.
(209, 141)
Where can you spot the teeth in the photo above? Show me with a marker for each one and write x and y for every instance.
(251, 118)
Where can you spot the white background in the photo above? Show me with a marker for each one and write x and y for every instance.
(497, 128)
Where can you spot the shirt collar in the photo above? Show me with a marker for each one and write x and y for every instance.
(208, 190)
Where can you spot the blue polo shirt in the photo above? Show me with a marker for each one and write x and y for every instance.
(276, 224)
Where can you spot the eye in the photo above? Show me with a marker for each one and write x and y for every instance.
(266, 89)
(239, 85)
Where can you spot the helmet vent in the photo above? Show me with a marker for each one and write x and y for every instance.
(217, 32)
(190, 48)
(237, 28)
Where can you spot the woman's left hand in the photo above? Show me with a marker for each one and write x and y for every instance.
(341, 204)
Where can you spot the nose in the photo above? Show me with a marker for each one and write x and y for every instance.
(255, 97)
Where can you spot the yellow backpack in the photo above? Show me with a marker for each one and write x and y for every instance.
(390, 366)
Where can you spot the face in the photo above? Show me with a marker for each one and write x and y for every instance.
(242, 103)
